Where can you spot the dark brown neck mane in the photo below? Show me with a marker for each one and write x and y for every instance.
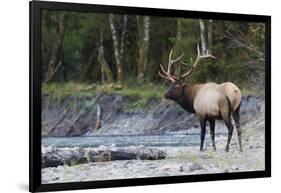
(187, 97)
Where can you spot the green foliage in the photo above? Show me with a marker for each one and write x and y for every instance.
(242, 63)
(139, 104)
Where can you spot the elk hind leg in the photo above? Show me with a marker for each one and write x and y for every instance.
(236, 117)
(230, 131)
(225, 113)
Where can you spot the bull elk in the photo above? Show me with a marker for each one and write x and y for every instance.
(209, 101)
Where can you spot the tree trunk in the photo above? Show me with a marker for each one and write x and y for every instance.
(104, 65)
(178, 39)
(210, 36)
(117, 54)
(146, 23)
(202, 36)
(57, 52)
(143, 24)
(179, 35)
(64, 69)
(123, 35)
(102, 75)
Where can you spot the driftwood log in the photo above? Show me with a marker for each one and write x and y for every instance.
(53, 157)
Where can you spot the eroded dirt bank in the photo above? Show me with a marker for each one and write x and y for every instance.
(121, 115)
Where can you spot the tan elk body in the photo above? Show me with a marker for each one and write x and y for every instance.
(208, 97)
(210, 101)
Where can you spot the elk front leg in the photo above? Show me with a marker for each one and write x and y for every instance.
(212, 131)
(203, 132)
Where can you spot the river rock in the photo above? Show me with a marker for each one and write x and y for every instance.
(194, 167)
(51, 160)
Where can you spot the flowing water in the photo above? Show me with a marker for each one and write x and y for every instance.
(127, 140)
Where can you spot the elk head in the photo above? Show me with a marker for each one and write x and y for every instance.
(176, 89)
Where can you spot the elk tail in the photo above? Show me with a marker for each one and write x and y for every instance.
(238, 108)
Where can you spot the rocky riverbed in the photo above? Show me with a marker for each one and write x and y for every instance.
(179, 160)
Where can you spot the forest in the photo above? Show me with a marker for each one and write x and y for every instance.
(125, 51)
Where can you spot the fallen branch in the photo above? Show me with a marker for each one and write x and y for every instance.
(53, 157)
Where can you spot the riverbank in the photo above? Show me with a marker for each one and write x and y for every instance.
(182, 160)
(110, 114)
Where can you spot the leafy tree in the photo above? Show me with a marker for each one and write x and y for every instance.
(112, 48)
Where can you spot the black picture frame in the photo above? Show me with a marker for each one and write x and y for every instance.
(35, 184)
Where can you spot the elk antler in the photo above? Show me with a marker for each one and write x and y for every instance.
(167, 74)
(199, 57)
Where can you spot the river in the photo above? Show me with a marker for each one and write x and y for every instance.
(125, 140)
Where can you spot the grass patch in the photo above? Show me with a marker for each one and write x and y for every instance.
(66, 89)
(138, 91)
(143, 91)
(253, 92)
(141, 103)
(194, 158)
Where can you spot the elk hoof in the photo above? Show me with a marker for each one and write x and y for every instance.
(202, 150)
(214, 149)
(226, 149)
